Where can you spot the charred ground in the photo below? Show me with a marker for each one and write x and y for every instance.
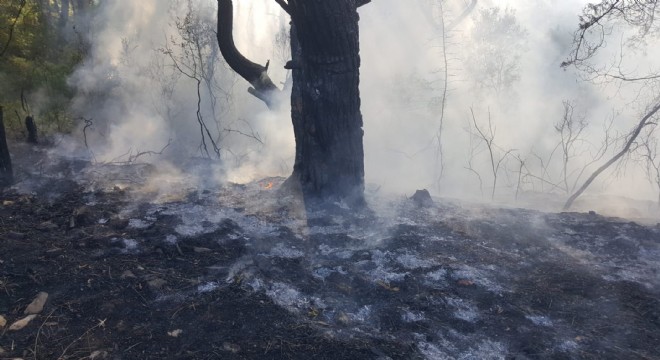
(181, 272)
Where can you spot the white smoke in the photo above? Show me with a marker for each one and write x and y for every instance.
(136, 89)
(139, 101)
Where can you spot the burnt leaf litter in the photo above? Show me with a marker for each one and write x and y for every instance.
(125, 269)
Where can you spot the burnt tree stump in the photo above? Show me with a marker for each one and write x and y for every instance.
(422, 199)
(6, 172)
(31, 129)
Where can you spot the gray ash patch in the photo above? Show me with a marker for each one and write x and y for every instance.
(503, 288)
(234, 267)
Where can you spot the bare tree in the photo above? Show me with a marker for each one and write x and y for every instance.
(194, 56)
(496, 155)
(596, 24)
(439, 155)
(437, 14)
(573, 144)
(632, 137)
(572, 156)
(570, 131)
(473, 151)
(524, 175)
(545, 178)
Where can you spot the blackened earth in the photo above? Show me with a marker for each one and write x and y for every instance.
(142, 271)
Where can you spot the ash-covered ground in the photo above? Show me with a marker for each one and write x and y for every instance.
(138, 265)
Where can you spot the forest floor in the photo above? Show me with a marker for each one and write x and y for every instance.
(142, 265)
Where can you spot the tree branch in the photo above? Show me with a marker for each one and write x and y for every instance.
(598, 18)
(262, 86)
(616, 157)
(464, 14)
(284, 6)
(588, 21)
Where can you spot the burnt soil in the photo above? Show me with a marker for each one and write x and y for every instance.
(231, 272)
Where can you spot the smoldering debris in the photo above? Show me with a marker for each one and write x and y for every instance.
(451, 281)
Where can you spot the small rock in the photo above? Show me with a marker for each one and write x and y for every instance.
(15, 235)
(343, 318)
(3, 321)
(156, 283)
(465, 282)
(121, 326)
(422, 199)
(47, 226)
(118, 224)
(127, 274)
(231, 347)
(37, 305)
(97, 354)
(201, 249)
(83, 216)
(175, 333)
(591, 212)
(18, 325)
(7, 203)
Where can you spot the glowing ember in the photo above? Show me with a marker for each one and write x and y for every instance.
(268, 186)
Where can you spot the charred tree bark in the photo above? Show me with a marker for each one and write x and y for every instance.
(31, 127)
(6, 172)
(263, 87)
(325, 100)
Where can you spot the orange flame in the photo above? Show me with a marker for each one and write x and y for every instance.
(268, 186)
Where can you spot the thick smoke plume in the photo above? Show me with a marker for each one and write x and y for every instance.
(437, 83)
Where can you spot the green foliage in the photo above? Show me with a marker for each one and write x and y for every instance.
(42, 50)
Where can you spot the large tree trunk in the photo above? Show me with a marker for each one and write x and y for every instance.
(325, 100)
(6, 172)
(31, 127)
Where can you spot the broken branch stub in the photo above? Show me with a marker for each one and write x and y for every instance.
(263, 87)
(31, 127)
